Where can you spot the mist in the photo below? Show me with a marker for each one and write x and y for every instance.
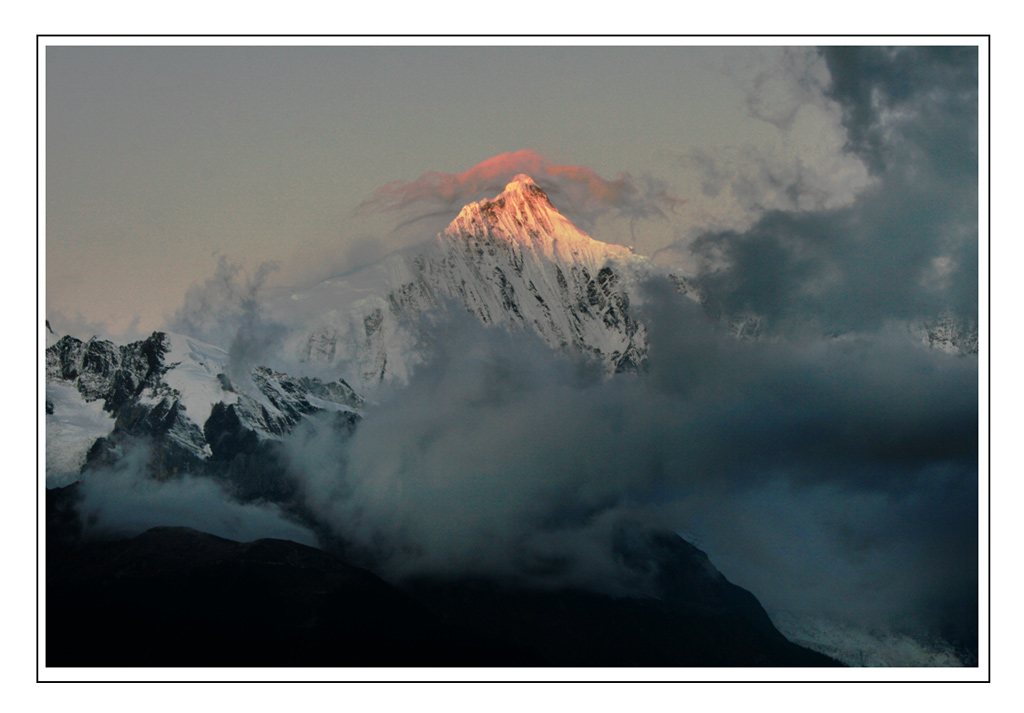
(833, 478)
(122, 499)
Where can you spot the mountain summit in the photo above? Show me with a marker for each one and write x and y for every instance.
(513, 261)
(523, 214)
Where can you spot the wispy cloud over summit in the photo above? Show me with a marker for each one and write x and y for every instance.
(579, 191)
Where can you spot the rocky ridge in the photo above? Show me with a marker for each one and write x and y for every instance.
(172, 393)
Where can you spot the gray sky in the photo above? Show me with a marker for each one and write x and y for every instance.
(160, 159)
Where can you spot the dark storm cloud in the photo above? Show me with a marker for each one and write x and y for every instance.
(812, 469)
(580, 192)
(900, 98)
(844, 471)
(907, 248)
(830, 410)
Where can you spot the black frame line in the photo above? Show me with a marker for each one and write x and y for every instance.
(988, 48)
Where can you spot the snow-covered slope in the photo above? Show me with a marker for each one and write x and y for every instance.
(173, 392)
(513, 261)
(524, 217)
(857, 646)
(72, 426)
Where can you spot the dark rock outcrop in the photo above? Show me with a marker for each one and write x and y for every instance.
(236, 442)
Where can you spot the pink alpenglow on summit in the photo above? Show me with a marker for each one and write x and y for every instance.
(523, 214)
(513, 261)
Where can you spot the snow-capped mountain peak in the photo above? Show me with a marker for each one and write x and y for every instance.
(513, 261)
(522, 214)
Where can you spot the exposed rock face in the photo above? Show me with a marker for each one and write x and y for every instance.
(102, 370)
(171, 393)
(129, 380)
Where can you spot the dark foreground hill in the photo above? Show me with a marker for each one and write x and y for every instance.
(178, 597)
(693, 617)
(175, 597)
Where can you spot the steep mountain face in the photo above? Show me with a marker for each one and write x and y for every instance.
(544, 274)
(172, 392)
(130, 382)
(513, 261)
(103, 370)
